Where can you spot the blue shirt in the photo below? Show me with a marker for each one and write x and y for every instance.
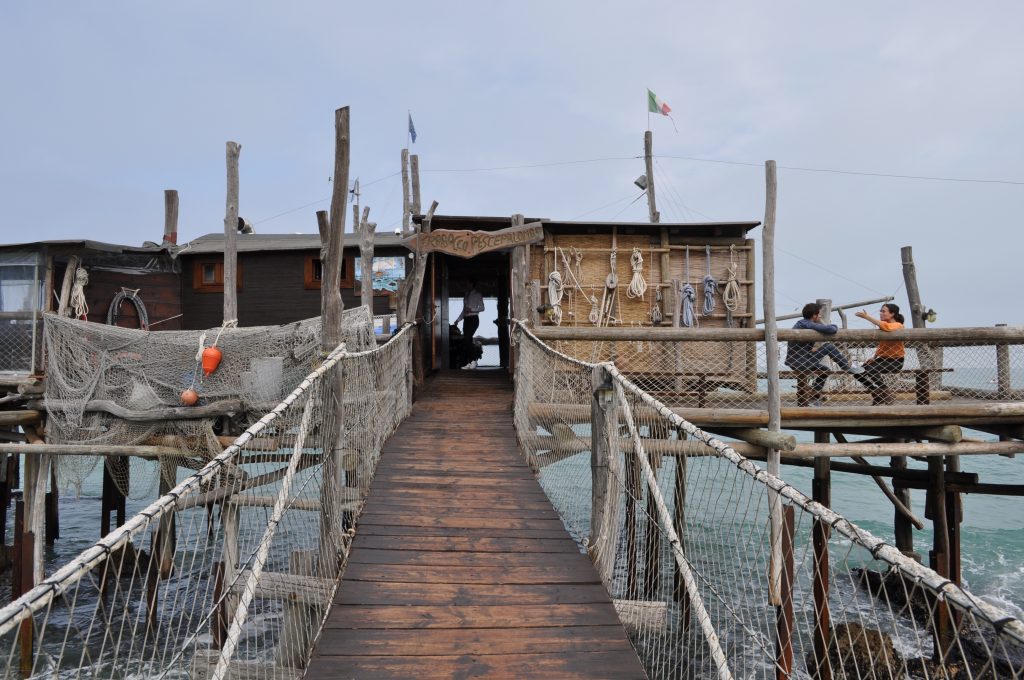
(798, 354)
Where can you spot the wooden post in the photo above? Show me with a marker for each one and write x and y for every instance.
(679, 524)
(821, 489)
(52, 509)
(332, 232)
(603, 430)
(231, 234)
(652, 209)
(414, 167)
(1003, 381)
(170, 217)
(771, 342)
(406, 206)
(910, 281)
(503, 329)
(366, 230)
(903, 529)
(954, 516)
(939, 555)
(21, 583)
(520, 275)
(534, 315)
(65, 288)
(5, 495)
(784, 612)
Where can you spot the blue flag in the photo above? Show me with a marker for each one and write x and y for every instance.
(412, 130)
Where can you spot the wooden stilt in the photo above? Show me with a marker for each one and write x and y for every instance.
(679, 524)
(939, 555)
(822, 493)
(5, 496)
(784, 611)
(22, 582)
(632, 494)
(902, 527)
(52, 509)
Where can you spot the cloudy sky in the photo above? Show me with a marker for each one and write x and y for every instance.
(540, 108)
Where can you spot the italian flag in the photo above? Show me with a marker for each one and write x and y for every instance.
(656, 105)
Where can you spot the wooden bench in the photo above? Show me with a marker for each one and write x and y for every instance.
(698, 383)
(922, 383)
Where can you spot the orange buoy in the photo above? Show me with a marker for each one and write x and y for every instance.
(211, 360)
(189, 397)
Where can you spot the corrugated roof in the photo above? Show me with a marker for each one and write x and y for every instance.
(488, 223)
(247, 243)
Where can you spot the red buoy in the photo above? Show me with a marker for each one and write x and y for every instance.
(211, 360)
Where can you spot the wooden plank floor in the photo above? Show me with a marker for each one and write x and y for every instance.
(460, 567)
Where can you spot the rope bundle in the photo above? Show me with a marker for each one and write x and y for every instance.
(555, 292)
(731, 293)
(637, 286)
(131, 295)
(77, 301)
(689, 297)
(710, 285)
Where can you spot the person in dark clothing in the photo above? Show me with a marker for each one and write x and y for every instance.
(807, 356)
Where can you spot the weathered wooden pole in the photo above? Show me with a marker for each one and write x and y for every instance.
(652, 208)
(679, 524)
(406, 204)
(784, 612)
(366, 230)
(332, 232)
(821, 490)
(520, 274)
(414, 167)
(935, 506)
(170, 217)
(231, 235)
(65, 288)
(903, 529)
(771, 343)
(603, 430)
(910, 282)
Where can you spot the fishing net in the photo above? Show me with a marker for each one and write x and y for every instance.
(110, 386)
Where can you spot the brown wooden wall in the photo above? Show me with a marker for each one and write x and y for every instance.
(159, 291)
(272, 292)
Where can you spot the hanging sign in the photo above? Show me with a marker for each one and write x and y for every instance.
(471, 243)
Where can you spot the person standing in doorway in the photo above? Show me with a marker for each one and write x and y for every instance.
(472, 305)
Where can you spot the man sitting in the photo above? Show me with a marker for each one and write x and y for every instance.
(804, 356)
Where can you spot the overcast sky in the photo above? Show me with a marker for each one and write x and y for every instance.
(540, 108)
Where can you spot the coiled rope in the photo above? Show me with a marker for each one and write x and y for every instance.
(637, 286)
(731, 292)
(555, 291)
(710, 285)
(77, 301)
(689, 296)
(114, 313)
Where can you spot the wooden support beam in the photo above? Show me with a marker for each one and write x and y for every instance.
(68, 282)
(784, 618)
(414, 171)
(652, 207)
(406, 203)
(366, 230)
(821, 491)
(758, 437)
(218, 408)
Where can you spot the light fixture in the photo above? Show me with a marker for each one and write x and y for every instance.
(931, 315)
(641, 182)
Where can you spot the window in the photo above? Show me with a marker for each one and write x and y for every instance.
(387, 272)
(313, 275)
(208, 276)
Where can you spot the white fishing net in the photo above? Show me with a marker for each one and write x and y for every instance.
(110, 386)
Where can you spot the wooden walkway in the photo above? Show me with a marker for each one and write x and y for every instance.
(460, 567)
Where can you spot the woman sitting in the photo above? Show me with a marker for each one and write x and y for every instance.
(888, 357)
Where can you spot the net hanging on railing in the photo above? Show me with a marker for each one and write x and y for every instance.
(678, 527)
(107, 385)
(231, 573)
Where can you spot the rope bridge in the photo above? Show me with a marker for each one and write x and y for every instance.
(719, 569)
(230, 573)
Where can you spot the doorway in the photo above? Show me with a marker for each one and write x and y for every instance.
(488, 273)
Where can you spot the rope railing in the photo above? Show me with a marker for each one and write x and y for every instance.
(678, 525)
(231, 572)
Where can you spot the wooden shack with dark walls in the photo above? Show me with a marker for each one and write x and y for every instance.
(279, 277)
(129, 286)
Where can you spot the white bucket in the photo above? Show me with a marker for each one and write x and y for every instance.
(268, 374)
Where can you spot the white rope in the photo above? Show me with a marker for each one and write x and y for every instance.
(710, 285)
(731, 292)
(637, 286)
(77, 302)
(249, 592)
(555, 292)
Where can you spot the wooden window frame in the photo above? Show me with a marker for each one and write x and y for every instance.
(200, 286)
(348, 278)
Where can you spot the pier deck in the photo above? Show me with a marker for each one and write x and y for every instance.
(460, 566)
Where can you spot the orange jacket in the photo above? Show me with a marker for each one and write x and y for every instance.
(890, 349)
